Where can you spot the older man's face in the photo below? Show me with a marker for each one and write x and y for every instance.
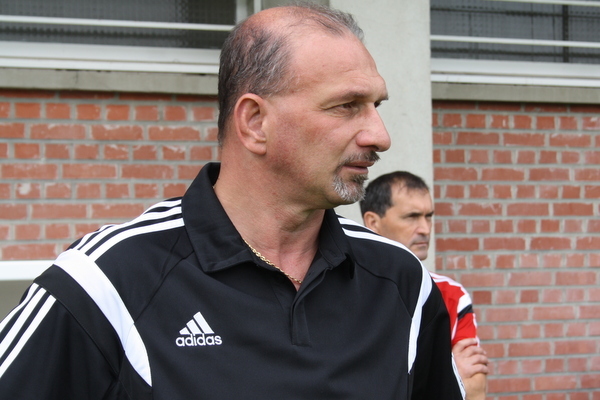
(327, 129)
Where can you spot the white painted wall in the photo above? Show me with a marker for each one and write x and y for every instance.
(397, 35)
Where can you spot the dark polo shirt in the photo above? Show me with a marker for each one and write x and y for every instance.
(174, 305)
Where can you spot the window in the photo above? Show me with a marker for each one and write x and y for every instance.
(528, 22)
(132, 35)
(515, 33)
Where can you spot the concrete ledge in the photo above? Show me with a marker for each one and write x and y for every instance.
(146, 82)
(515, 93)
(25, 270)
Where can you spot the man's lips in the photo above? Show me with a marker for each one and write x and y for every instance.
(362, 166)
(361, 162)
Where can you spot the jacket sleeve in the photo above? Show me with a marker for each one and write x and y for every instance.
(56, 344)
(434, 375)
(45, 353)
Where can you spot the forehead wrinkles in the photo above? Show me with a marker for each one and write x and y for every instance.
(402, 187)
(313, 62)
(401, 194)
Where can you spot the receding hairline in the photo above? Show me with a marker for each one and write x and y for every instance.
(266, 42)
(288, 17)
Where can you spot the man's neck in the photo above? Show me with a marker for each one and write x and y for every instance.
(285, 234)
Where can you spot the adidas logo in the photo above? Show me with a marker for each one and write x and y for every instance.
(197, 332)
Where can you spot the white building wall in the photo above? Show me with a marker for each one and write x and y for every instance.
(397, 35)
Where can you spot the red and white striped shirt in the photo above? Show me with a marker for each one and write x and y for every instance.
(463, 324)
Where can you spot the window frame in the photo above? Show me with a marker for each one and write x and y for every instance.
(65, 56)
(525, 73)
(522, 73)
(62, 56)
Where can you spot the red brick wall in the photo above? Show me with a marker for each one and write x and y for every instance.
(73, 161)
(517, 189)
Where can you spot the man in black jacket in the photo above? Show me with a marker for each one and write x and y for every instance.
(249, 287)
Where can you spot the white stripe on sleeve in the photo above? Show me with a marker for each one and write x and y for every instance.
(425, 291)
(28, 332)
(97, 285)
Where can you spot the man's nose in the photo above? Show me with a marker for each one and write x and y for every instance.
(424, 227)
(374, 133)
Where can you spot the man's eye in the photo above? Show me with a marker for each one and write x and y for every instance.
(348, 105)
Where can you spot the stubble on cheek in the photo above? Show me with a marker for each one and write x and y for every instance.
(353, 189)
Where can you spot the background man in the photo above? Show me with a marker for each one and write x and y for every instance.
(398, 206)
(249, 287)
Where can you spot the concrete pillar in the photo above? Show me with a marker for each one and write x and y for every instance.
(397, 35)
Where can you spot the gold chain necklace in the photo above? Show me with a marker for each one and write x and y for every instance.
(265, 259)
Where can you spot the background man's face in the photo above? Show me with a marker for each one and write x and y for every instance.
(409, 220)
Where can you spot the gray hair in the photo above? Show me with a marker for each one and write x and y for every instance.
(255, 57)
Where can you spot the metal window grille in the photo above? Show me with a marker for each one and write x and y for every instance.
(182, 36)
(154, 23)
(555, 31)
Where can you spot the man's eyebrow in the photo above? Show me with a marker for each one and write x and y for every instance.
(418, 214)
(359, 95)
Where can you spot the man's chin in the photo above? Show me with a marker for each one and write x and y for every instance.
(350, 192)
(420, 252)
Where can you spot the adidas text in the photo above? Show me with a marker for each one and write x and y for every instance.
(198, 340)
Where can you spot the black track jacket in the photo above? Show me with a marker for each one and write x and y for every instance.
(174, 306)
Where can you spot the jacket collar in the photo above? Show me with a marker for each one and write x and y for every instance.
(217, 243)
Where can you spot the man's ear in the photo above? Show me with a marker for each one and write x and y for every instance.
(248, 114)
(372, 221)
